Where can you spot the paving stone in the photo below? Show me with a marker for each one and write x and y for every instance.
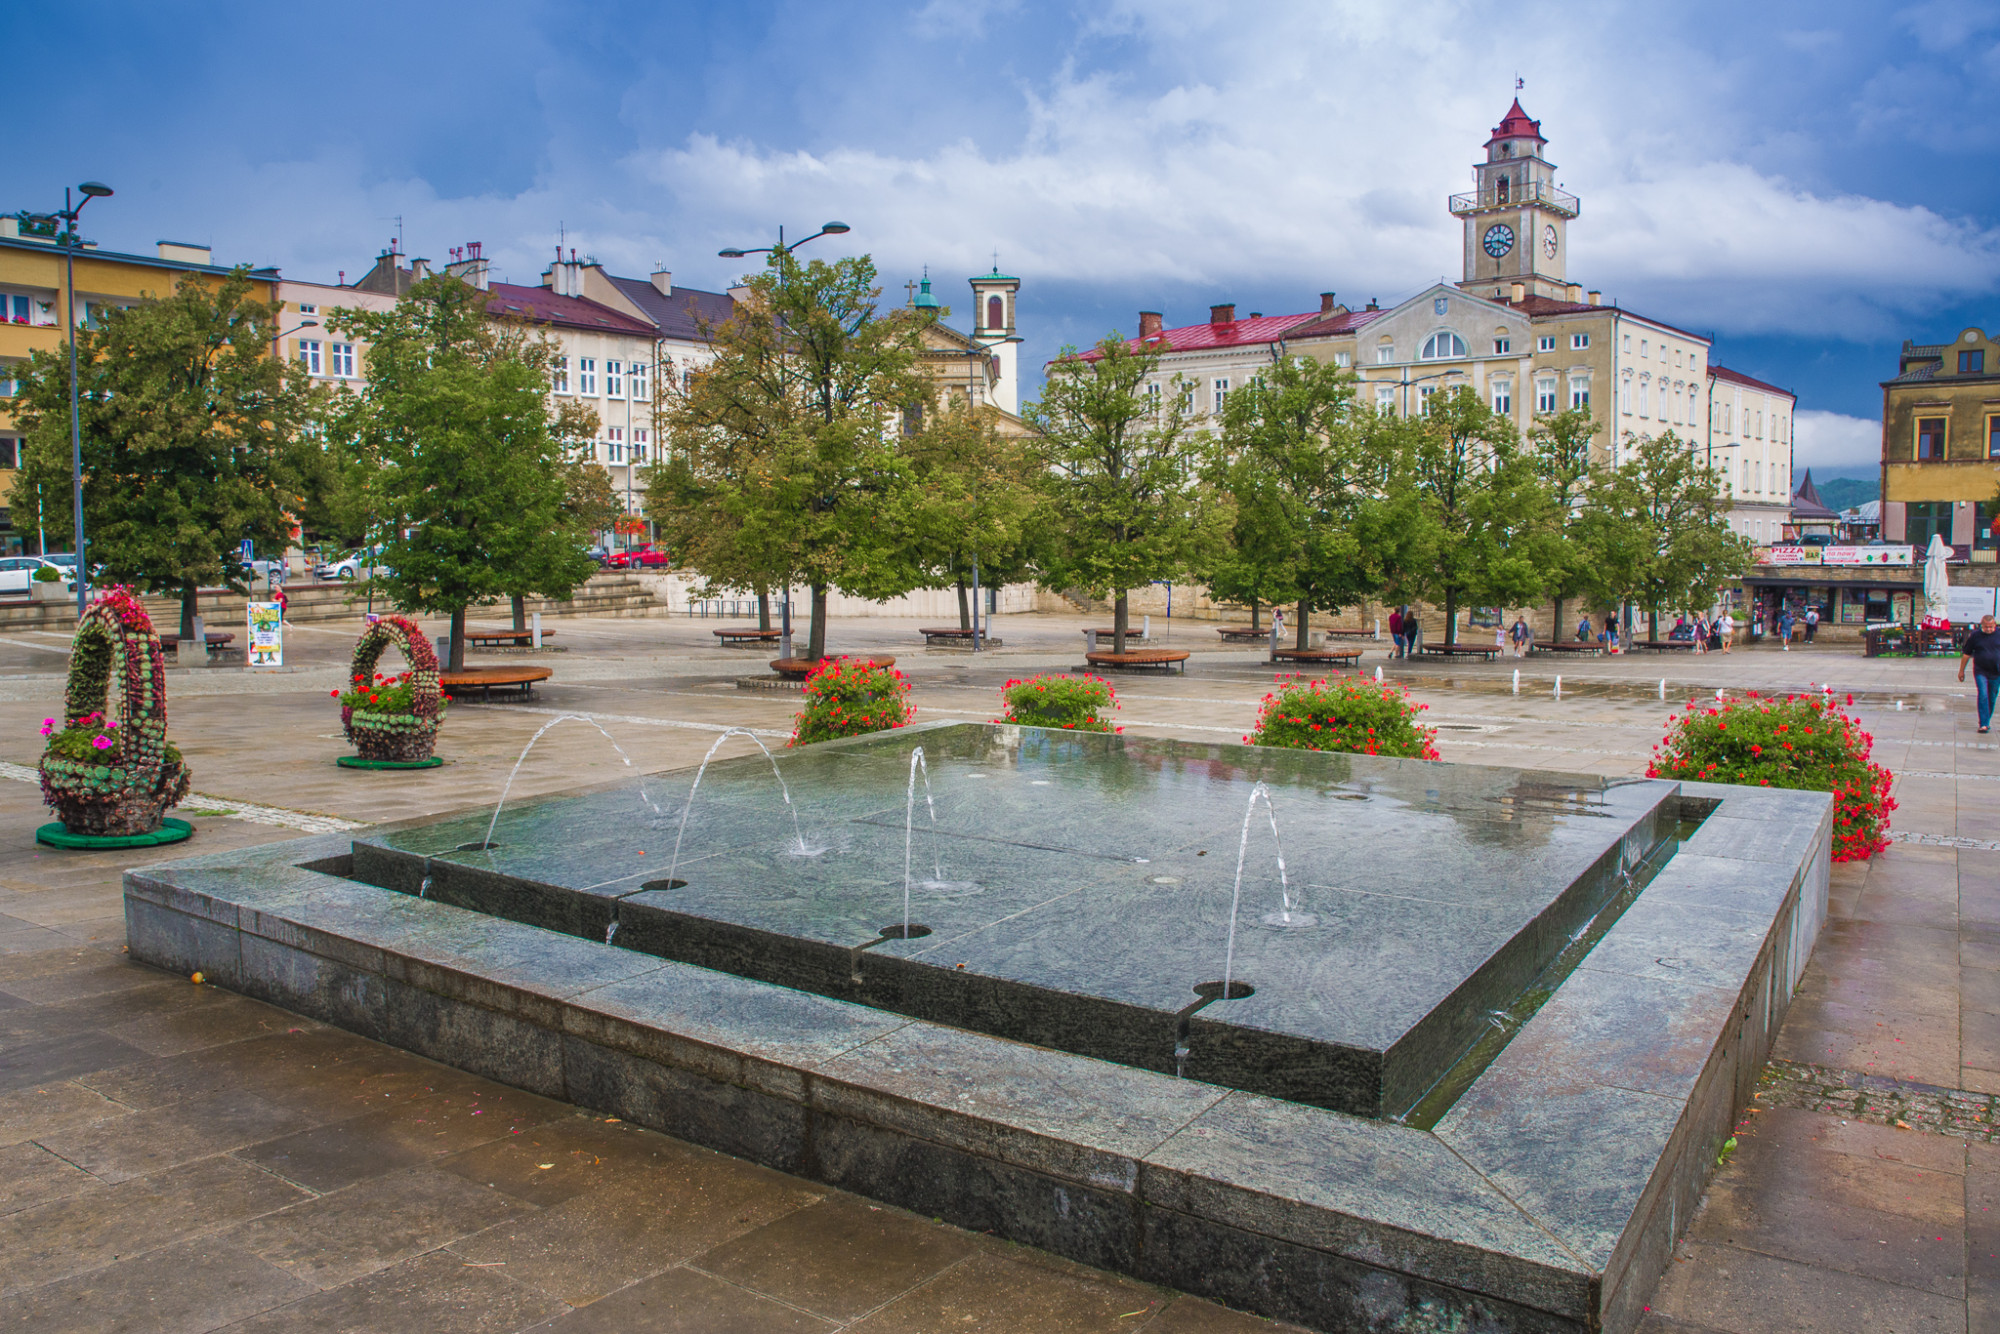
(438, 1293)
(145, 1143)
(1743, 1292)
(685, 1301)
(59, 1058)
(403, 1132)
(31, 1175)
(839, 1258)
(186, 1288)
(991, 1295)
(44, 1109)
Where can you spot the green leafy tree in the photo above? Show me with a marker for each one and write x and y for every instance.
(471, 466)
(187, 424)
(1122, 502)
(970, 502)
(1673, 547)
(786, 440)
(1491, 530)
(1559, 448)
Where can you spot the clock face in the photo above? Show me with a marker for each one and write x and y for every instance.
(1549, 241)
(1499, 239)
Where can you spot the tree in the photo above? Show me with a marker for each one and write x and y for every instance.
(969, 503)
(186, 424)
(784, 442)
(1122, 505)
(1488, 514)
(1676, 548)
(471, 465)
(1560, 452)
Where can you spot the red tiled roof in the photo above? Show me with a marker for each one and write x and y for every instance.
(1737, 377)
(1236, 333)
(1516, 125)
(1347, 321)
(542, 306)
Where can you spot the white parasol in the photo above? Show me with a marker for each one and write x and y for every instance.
(1936, 597)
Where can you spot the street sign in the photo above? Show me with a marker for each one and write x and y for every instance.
(249, 550)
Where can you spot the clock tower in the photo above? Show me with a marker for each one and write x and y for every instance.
(1516, 221)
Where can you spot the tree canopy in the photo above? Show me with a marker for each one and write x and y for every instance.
(1673, 545)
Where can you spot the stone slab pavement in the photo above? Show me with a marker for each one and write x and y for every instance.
(173, 1157)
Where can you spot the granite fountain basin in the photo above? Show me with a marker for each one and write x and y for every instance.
(1015, 1068)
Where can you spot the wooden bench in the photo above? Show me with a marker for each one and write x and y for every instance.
(797, 669)
(1242, 634)
(1316, 655)
(1487, 652)
(947, 634)
(1132, 636)
(488, 679)
(1663, 645)
(1350, 634)
(504, 638)
(745, 634)
(216, 641)
(1165, 659)
(1568, 646)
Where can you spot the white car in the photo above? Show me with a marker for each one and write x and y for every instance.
(17, 571)
(349, 565)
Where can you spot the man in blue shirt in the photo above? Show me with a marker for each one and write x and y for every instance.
(1982, 650)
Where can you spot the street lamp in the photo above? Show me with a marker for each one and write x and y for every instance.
(974, 350)
(277, 339)
(71, 208)
(734, 252)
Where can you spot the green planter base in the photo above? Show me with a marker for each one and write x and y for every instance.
(171, 831)
(356, 762)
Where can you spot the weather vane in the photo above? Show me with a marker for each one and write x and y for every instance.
(1519, 83)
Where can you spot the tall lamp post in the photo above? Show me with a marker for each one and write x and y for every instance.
(733, 252)
(71, 208)
(975, 353)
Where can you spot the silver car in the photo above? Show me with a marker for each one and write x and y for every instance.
(16, 572)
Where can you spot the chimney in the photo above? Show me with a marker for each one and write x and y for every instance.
(184, 252)
(1149, 324)
(1574, 291)
(663, 281)
(739, 293)
(1517, 293)
(1222, 314)
(1325, 304)
(471, 265)
(1372, 305)
(420, 269)
(1596, 298)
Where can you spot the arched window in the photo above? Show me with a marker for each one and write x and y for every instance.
(996, 313)
(1503, 189)
(1442, 347)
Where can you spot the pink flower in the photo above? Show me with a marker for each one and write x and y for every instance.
(102, 743)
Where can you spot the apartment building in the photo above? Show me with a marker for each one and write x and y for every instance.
(1941, 443)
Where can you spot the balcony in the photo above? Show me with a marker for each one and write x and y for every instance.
(1525, 192)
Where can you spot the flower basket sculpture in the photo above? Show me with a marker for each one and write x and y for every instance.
(393, 720)
(109, 777)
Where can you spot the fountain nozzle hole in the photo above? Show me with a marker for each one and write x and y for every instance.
(674, 883)
(480, 846)
(914, 931)
(1213, 990)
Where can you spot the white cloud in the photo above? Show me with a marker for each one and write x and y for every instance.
(1834, 440)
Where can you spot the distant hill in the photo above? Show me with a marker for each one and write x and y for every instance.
(1842, 493)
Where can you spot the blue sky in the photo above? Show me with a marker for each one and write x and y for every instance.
(1812, 183)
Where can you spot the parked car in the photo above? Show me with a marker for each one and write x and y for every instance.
(358, 564)
(17, 571)
(602, 555)
(643, 555)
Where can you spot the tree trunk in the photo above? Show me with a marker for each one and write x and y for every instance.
(816, 636)
(457, 662)
(520, 612)
(763, 609)
(1450, 617)
(188, 608)
(1121, 617)
(964, 607)
(1305, 612)
(1253, 614)
(1653, 623)
(1556, 630)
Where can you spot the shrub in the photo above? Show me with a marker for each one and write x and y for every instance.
(46, 574)
(1352, 715)
(851, 697)
(1070, 702)
(1806, 742)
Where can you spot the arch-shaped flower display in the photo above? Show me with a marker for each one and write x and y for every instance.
(105, 775)
(393, 717)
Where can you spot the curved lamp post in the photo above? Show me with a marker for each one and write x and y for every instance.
(734, 252)
(71, 208)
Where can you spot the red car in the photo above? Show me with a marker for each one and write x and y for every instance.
(645, 554)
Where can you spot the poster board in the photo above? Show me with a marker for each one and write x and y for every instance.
(1966, 605)
(267, 634)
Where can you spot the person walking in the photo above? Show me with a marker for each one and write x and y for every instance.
(1812, 623)
(1698, 633)
(1726, 627)
(1396, 631)
(1982, 650)
(1413, 632)
(1583, 629)
(1522, 635)
(1785, 623)
(1500, 635)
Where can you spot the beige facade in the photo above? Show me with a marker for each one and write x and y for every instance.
(1750, 443)
(1941, 443)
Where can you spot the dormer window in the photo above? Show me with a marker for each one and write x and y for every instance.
(1972, 363)
(1442, 347)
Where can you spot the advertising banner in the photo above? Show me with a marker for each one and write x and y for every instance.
(1848, 556)
(267, 634)
(1967, 605)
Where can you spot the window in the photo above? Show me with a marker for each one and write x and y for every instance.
(614, 444)
(1930, 437)
(340, 360)
(309, 355)
(1579, 391)
(1694, 361)
(1921, 518)
(1343, 359)
(561, 375)
(1625, 395)
(9, 386)
(1385, 354)
(1221, 395)
(1385, 399)
(1545, 394)
(1546, 343)
(1577, 342)
(586, 375)
(639, 391)
(1972, 363)
(1993, 437)
(1503, 398)
(1628, 345)
(1442, 347)
(1677, 356)
(305, 309)
(1502, 346)
(10, 451)
(614, 379)
(1642, 347)
(1153, 393)
(1424, 393)
(1645, 408)
(22, 309)
(996, 313)
(639, 441)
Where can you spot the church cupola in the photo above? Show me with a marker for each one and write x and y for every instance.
(1514, 134)
(925, 301)
(1516, 218)
(993, 327)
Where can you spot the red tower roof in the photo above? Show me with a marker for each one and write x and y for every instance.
(1516, 125)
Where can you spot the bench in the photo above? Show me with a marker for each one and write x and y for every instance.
(216, 641)
(488, 679)
(504, 638)
(744, 634)
(1663, 645)
(1105, 636)
(1165, 659)
(949, 634)
(1315, 655)
(1563, 646)
(1486, 652)
(1350, 634)
(797, 669)
(1241, 634)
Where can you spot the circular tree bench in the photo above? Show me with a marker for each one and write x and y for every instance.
(744, 634)
(504, 638)
(1568, 646)
(1164, 659)
(797, 669)
(1316, 655)
(1485, 652)
(488, 679)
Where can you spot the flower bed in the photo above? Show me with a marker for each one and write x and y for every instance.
(110, 776)
(1357, 716)
(1808, 742)
(850, 697)
(1068, 702)
(393, 717)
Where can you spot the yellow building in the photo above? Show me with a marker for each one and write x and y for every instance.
(33, 306)
(1941, 444)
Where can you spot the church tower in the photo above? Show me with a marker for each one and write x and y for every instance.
(993, 326)
(1516, 221)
